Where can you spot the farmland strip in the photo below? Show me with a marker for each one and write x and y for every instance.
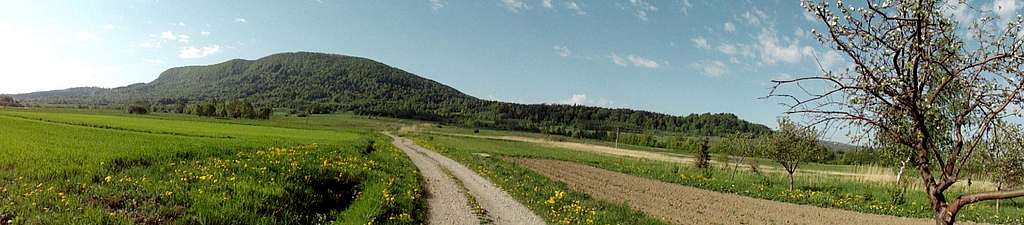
(686, 205)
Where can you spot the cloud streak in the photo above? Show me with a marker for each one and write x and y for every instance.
(712, 68)
(190, 52)
(514, 6)
(642, 9)
(635, 61)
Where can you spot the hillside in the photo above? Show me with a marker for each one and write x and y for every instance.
(323, 83)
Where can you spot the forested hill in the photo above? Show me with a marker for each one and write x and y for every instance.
(323, 83)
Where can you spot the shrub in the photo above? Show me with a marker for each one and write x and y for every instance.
(135, 109)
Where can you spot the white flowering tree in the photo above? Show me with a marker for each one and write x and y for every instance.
(919, 79)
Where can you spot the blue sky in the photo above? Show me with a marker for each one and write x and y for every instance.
(677, 57)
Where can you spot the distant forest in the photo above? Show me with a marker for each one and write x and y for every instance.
(316, 83)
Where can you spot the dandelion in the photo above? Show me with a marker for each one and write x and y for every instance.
(107, 179)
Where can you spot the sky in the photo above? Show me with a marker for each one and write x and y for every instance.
(670, 56)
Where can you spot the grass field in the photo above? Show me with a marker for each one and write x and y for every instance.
(821, 191)
(71, 166)
(101, 168)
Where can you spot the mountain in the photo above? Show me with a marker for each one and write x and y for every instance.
(322, 83)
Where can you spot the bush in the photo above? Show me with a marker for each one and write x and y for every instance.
(8, 101)
(135, 109)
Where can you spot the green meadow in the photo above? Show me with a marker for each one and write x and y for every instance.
(90, 167)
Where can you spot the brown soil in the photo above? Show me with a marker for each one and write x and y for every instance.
(686, 205)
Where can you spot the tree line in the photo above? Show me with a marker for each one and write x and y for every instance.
(8, 101)
(235, 108)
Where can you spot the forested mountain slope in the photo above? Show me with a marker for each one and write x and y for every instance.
(323, 83)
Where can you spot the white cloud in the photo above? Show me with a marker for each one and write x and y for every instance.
(958, 11)
(713, 68)
(635, 60)
(1005, 9)
(168, 35)
(204, 33)
(729, 27)
(831, 60)
(811, 17)
(184, 38)
(783, 76)
(575, 7)
(642, 9)
(799, 33)
(728, 49)
(643, 62)
(190, 52)
(150, 44)
(514, 5)
(547, 4)
(772, 50)
(734, 60)
(618, 60)
(437, 4)
(700, 42)
(86, 36)
(562, 51)
(582, 99)
(754, 17)
(685, 8)
(241, 20)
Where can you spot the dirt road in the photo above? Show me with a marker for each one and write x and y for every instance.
(686, 205)
(447, 194)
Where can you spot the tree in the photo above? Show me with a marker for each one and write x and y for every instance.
(180, 107)
(742, 146)
(8, 101)
(1005, 161)
(792, 145)
(137, 109)
(917, 82)
(703, 155)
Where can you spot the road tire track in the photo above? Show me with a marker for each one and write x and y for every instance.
(447, 201)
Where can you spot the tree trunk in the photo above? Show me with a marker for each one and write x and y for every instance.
(999, 187)
(903, 168)
(945, 217)
(791, 183)
(736, 167)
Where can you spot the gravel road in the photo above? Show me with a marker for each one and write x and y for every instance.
(448, 202)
